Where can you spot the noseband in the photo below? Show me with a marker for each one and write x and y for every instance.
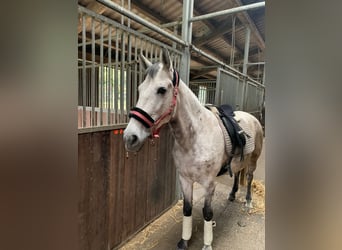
(147, 120)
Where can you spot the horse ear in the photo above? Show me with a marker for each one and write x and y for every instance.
(144, 61)
(166, 60)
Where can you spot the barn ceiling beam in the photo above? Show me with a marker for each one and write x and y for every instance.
(246, 19)
(211, 24)
(228, 11)
(220, 31)
(149, 11)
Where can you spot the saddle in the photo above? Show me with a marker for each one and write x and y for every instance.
(236, 134)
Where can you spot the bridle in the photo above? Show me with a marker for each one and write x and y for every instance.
(147, 120)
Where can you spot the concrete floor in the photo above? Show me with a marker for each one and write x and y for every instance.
(236, 228)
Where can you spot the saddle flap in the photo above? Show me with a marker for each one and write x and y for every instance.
(236, 133)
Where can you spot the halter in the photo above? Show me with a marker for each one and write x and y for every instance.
(147, 120)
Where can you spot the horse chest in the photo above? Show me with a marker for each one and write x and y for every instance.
(195, 165)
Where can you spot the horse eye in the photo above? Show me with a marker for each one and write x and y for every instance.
(161, 90)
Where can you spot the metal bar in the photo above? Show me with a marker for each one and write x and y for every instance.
(129, 20)
(109, 68)
(175, 31)
(109, 21)
(128, 74)
(246, 51)
(93, 72)
(151, 52)
(218, 86)
(135, 76)
(116, 80)
(188, 7)
(227, 12)
(122, 17)
(140, 20)
(210, 57)
(140, 67)
(101, 75)
(122, 76)
(84, 75)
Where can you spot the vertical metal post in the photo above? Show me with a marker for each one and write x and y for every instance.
(128, 76)
(101, 75)
(93, 73)
(122, 75)
(175, 31)
(109, 78)
(135, 76)
(84, 84)
(116, 79)
(188, 7)
(246, 52)
(129, 67)
(244, 70)
(218, 87)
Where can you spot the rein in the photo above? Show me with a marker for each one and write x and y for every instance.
(147, 120)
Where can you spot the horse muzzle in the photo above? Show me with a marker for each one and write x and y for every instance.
(132, 142)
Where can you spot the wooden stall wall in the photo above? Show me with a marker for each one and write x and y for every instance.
(121, 193)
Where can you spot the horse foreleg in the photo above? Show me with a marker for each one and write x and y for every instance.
(187, 187)
(235, 186)
(208, 216)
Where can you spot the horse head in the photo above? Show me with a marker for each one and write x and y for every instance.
(156, 102)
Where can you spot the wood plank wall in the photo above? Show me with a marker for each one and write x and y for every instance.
(120, 195)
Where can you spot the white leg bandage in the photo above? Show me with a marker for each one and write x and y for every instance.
(208, 232)
(187, 227)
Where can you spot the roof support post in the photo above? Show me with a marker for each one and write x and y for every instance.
(246, 52)
(188, 7)
(244, 70)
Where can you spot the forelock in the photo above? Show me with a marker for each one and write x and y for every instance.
(153, 70)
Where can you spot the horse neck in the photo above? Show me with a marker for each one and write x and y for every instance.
(187, 117)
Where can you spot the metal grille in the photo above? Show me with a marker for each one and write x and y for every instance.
(204, 90)
(109, 69)
(254, 98)
(241, 94)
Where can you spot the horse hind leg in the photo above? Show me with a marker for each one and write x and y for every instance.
(235, 186)
(251, 168)
(249, 187)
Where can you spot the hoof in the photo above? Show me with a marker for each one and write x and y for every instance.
(231, 197)
(249, 204)
(182, 244)
(205, 247)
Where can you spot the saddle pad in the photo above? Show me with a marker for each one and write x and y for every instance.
(249, 147)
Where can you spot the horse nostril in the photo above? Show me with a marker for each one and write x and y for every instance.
(133, 139)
